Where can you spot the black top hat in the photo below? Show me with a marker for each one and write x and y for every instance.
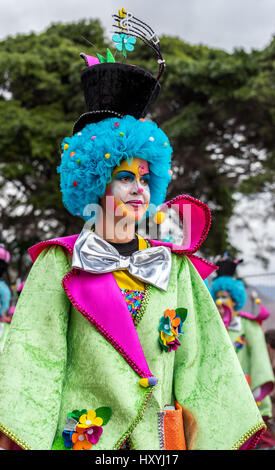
(116, 89)
(227, 266)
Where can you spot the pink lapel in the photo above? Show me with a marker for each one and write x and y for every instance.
(100, 300)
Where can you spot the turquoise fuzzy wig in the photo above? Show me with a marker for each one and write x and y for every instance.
(235, 287)
(85, 170)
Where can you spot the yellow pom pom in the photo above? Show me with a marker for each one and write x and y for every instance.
(159, 217)
(218, 302)
(144, 383)
(257, 301)
(66, 146)
(107, 155)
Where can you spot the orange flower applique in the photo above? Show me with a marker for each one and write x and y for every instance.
(175, 321)
(80, 442)
(170, 328)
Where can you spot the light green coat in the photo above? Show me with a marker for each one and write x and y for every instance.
(254, 358)
(4, 329)
(60, 362)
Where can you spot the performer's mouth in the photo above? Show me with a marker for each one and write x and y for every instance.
(135, 203)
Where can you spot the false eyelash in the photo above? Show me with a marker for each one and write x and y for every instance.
(140, 30)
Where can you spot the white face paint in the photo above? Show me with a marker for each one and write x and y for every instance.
(130, 189)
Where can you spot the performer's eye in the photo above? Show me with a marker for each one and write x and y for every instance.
(125, 177)
(145, 180)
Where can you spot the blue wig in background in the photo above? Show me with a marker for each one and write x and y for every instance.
(235, 287)
(90, 156)
(5, 297)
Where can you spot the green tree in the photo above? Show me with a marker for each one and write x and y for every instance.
(40, 99)
(217, 108)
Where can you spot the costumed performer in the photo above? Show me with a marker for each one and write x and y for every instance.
(245, 331)
(116, 341)
(267, 441)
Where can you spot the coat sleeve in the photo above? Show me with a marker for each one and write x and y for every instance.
(262, 377)
(32, 377)
(208, 379)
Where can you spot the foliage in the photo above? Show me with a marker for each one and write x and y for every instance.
(40, 98)
(217, 108)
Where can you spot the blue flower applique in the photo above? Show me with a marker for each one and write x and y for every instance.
(124, 43)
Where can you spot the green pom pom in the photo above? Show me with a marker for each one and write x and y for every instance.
(104, 412)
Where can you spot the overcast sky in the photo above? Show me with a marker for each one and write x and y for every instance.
(218, 23)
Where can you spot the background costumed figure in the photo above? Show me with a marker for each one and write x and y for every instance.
(5, 296)
(118, 341)
(268, 439)
(245, 332)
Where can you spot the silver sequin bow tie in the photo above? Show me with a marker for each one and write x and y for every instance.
(95, 255)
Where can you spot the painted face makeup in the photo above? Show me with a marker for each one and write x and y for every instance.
(130, 189)
(226, 299)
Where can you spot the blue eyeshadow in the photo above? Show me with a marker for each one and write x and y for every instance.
(124, 174)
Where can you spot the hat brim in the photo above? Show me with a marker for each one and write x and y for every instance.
(93, 117)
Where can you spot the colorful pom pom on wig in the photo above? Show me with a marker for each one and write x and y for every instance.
(90, 156)
(235, 287)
